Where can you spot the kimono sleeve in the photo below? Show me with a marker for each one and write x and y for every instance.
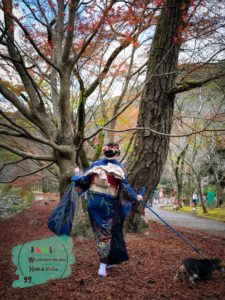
(82, 183)
(127, 191)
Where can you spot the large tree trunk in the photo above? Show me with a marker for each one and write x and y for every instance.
(66, 164)
(146, 163)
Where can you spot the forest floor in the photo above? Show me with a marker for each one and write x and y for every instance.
(154, 255)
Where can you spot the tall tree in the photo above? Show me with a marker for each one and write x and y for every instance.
(47, 49)
(146, 163)
(156, 109)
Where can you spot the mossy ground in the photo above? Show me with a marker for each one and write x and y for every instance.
(213, 213)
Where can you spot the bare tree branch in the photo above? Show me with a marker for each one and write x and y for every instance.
(70, 29)
(128, 147)
(27, 155)
(26, 134)
(104, 72)
(28, 174)
(16, 102)
(189, 85)
(161, 133)
(12, 163)
(9, 16)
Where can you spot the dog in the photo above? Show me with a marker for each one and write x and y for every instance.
(199, 268)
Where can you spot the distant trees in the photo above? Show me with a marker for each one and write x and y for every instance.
(198, 159)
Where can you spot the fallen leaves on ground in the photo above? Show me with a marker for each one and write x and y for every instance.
(154, 255)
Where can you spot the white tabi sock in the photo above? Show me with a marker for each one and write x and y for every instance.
(102, 270)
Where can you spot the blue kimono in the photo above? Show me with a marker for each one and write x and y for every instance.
(107, 211)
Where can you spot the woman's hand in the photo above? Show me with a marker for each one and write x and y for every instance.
(139, 198)
(76, 170)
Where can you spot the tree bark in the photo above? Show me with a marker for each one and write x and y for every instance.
(199, 190)
(146, 163)
(66, 165)
(179, 168)
(218, 189)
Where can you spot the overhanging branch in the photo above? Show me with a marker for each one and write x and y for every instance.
(22, 132)
(189, 85)
(11, 163)
(26, 154)
(162, 133)
(28, 174)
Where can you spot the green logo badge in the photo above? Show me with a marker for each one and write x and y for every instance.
(41, 260)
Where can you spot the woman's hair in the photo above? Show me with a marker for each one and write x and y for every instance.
(111, 149)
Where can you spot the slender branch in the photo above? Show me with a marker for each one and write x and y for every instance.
(128, 147)
(11, 163)
(80, 80)
(157, 132)
(27, 134)
(114, 117)
(199, 66)
(51, 171)
(28, 174)
(139, 69)
(10, 126)
(26, 84)
(15, 55)
(63, 149)
(3, 35)
(70, 29)
(120, 99)
(11, 133)
(18, 62)
(25, 31)
(104, 72)
(26, 154)
(129, 103)
(15, 101)
(6, 57)
(110, 60)
(95, 31)
(33, 13)
(189, 85)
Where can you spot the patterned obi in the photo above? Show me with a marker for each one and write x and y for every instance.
(108, 187)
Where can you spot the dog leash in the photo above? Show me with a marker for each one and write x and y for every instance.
(174, 230)
(141, 192)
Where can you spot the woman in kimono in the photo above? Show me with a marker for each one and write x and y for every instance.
(109, 200)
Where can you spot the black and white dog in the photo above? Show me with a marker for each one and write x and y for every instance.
(198, 268)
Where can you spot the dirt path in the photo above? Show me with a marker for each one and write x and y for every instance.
(154, 259)
(188, 221)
